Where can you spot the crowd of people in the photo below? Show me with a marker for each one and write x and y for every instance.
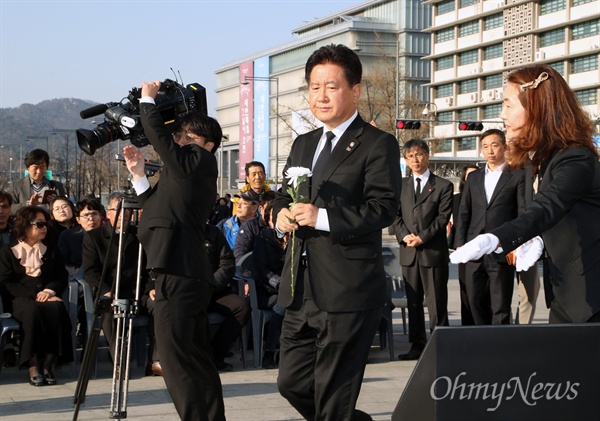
(317, 264)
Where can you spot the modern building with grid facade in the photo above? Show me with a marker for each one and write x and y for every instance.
(475, 43)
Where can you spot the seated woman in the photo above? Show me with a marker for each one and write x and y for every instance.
(62, 217)
(33, 276)
(268, 257)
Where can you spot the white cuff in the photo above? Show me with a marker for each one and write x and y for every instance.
(140, 185)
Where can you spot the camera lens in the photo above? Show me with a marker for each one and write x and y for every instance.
(90, 140)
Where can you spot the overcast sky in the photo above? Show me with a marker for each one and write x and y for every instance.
(99, 50)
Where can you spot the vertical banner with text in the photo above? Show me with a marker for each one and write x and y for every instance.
(262, 122)
(246, 113)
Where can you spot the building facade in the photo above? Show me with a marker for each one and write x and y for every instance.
(262, 99)
(476, 43)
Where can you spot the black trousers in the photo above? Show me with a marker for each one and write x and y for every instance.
(236, 312)
(490, 287)
(430, 283)
(323, 357)
(181, 328)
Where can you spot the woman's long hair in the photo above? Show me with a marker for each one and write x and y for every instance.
(555, 119)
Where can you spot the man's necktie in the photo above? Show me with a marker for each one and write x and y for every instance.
(323, 156)
(418, 189)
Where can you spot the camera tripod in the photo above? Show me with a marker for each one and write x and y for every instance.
(123, 311)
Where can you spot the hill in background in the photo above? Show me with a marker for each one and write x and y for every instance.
(40, 120)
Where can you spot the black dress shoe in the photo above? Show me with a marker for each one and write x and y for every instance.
(37, 380)
(268, 360)
(49, 377)
(410, 355)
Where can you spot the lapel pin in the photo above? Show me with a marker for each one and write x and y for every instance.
(349, 148)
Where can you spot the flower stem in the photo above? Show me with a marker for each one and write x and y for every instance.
(293, 242)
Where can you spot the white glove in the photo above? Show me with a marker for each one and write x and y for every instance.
(474, 249)
(528, 253)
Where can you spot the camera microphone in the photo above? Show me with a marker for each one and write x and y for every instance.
(95, 110)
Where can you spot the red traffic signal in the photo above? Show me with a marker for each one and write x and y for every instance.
(470, 125)
(408, 124)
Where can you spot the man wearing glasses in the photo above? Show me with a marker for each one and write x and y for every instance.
(70, 241)
(425, 208)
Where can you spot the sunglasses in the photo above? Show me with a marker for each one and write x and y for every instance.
(39, 224)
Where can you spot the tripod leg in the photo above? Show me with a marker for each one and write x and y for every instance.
(122, 361)
(87, 363)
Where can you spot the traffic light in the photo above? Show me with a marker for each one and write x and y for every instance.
(470, 125)
(408, 124)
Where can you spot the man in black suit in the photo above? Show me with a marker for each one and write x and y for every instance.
(35, 189)
(340, 285)
(492, 196)
(425, 208)
(171, 230)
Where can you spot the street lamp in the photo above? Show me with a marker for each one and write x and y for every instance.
(276, 80)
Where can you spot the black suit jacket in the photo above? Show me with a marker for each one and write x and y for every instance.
(177, 207)
(427, 218)
(566, 213)
(476, 216)
(21, 192)
(360, 191)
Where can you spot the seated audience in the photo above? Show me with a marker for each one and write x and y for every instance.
(6, 236)
(250, 228)
(96, 250)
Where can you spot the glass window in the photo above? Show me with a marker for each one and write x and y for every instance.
(584, 64)
(445, 145)
(468, 28)
(445, 62)
(465, 3)
(552, 37)
(493, 51)
(588, 96)
(586, 29)
(468, 57)
(493, 21)
(444, 117)
(467, 86)
(492, 111)
(494, 81)
(559, 66)
(444, 35)
(468, 114)
(444, 90)
(444, 7)
(551, 6)
(466, 143)
(580, 2)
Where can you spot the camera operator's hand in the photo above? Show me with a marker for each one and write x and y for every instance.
(134, 161)
(150, 88)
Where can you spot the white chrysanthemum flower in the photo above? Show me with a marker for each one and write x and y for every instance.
(294, 173)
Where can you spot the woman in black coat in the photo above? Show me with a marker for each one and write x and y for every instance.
(32, 278)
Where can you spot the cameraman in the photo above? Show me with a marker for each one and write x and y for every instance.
(172, 232)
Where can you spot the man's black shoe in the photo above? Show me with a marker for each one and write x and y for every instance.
(411, 355)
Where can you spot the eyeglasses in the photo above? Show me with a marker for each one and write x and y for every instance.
(63, 207)
(39, 224)
(419, 155)
(91, 215)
